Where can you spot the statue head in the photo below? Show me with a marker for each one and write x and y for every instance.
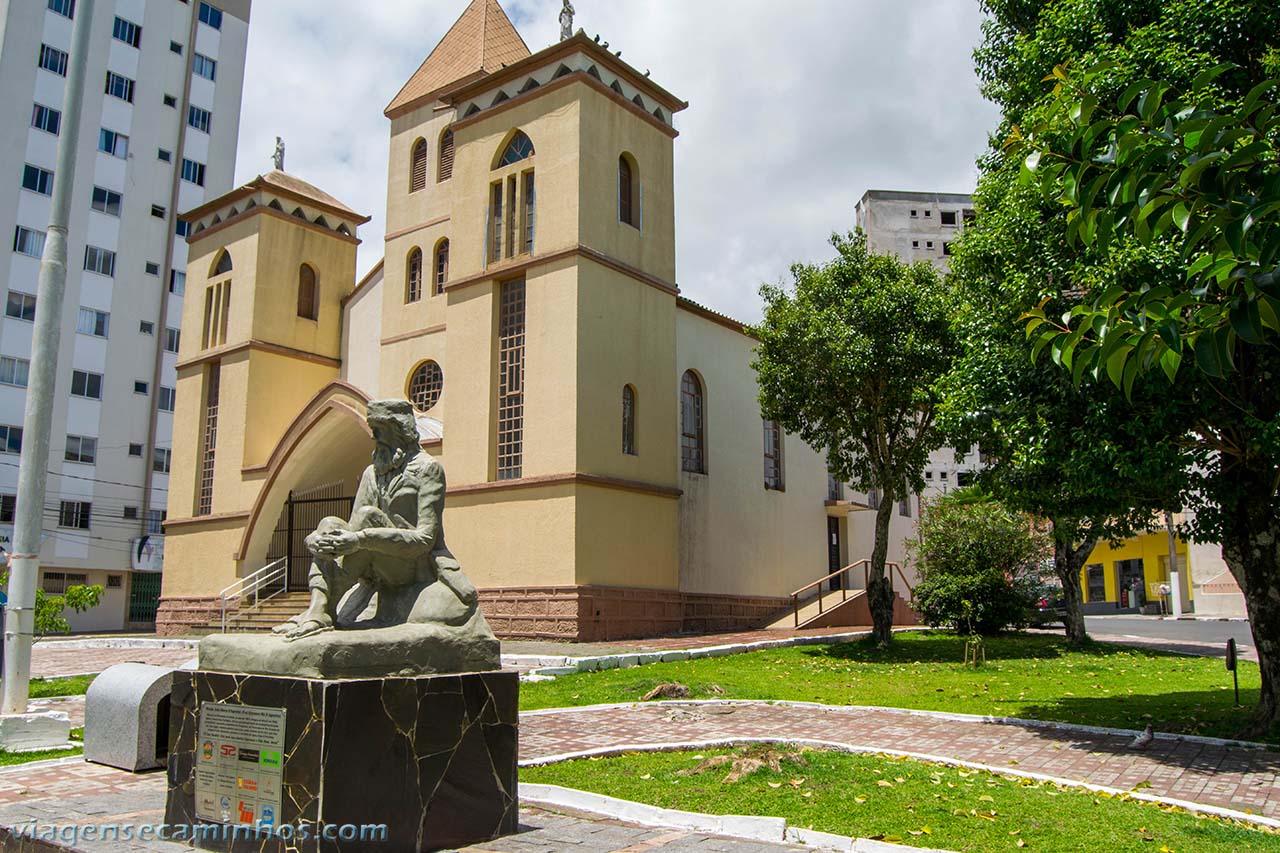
(395, 433)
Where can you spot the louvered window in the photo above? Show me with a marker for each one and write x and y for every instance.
(413, 277)
(418, 167)
(446, 157)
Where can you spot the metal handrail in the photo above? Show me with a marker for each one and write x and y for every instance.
(253, 585)
(844, 587)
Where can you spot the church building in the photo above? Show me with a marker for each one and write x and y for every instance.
(609, 471)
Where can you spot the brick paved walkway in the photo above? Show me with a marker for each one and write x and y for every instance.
(1231, 777)
(53, 661)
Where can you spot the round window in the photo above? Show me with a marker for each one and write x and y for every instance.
(425, 384)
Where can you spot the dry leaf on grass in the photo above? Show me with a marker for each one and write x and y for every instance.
(747, 763)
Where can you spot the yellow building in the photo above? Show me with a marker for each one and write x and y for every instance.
(1134, 574)
(610, 474)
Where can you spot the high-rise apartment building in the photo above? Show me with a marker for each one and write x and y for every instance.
(158, 135)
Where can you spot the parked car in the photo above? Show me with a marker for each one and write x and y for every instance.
(1051, 607)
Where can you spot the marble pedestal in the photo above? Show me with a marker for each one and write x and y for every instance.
(433, 758)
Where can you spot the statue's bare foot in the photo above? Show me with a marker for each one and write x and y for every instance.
(290, 624)
(309, 625)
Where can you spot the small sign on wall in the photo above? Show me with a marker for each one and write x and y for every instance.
(240, 764)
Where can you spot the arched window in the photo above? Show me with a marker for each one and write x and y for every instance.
(772, 455)
(308, 298)
(223, 265)
(629, 420)
(519, 148)
(445, 170)
(441, 266)
(693, 441)
(413, 277)
(426, 382)
(418, 166)
(628, 191)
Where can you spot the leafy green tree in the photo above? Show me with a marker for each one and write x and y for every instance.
(850, 360)
(49, 608)
(981, 566)
(1231, 389)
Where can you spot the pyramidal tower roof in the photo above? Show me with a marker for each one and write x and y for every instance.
(481, 41)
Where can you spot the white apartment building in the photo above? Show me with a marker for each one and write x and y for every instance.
(159, 126)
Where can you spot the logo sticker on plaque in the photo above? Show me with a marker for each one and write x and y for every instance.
(247, 768)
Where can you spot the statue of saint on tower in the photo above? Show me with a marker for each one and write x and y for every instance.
(566, 21)
(278, 157)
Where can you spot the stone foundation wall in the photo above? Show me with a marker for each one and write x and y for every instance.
(595, 613)
(177, 616)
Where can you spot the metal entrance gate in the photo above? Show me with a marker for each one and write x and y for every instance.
(302, 512)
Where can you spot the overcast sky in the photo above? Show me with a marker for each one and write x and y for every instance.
(796, 109)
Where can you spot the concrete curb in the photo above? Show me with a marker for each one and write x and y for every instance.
(49, 762)
(915, 712)
(769, 829)
(118, 643)
(1193, 808)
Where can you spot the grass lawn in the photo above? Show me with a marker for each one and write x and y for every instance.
(76, 685)
(8, 759)
(911, 802)
(1030, 676)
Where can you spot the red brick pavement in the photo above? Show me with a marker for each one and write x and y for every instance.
(55, 661)
(1231, 777)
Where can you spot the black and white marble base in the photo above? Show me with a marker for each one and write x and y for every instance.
(433, 758)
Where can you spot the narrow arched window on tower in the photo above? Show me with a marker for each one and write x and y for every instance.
(628, 191)
(693, 441)
(308, 298)
(418, 166)
(445, 170)
(442, 266)
(629, 420)
(413, 277)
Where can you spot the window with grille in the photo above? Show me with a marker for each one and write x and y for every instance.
(425, 386)
(308, 298)
(119, 86)
(693, 451)
(772, 455)
(8, 508)
(74, 514)
(511, 341)
(413, 277)
(106, 201)
(86, 384)
(445, 170)
(209, 441)
(203, 66)
(81, 449)
(37, 180)
(93, 322)
(56, 583)
(127, 32)
(10, 438)
(418, 166)
(115, 144)
(442, 266)
(519, 148)
(46, 119)
(629, 420)
(28, 241)
(14, 371)
(20, 306)
(52, 59)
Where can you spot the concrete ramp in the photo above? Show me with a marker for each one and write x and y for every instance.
(832, 611)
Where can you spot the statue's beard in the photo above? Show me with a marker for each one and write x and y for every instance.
(388, 459)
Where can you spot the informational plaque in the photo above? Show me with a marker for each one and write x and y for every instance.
(240, 764)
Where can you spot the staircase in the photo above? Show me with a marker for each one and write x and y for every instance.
(817, 605)
(261, 618)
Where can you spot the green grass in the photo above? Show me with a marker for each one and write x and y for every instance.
(8, 759)
(913, 802)
(76, 685)
(1029, 676)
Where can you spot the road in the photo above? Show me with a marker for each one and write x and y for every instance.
(1201, 637)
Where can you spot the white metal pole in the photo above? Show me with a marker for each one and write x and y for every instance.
(24, 562)
(1175, 578)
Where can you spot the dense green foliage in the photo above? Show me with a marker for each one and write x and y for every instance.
(905, 801)
(1033, 676)
(1040, 257)
(981, 566)
(850, 360)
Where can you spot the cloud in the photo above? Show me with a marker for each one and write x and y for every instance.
(796, 109)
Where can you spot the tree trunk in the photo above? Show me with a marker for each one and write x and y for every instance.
(1067, 563)
(879, 588)
(1251, 549)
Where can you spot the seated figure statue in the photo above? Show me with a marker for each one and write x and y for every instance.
(387, 596)
(390, 557)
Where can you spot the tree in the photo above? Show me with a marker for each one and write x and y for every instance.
(1231, 389)
(981, 566)
(49, 608)
(851, 361)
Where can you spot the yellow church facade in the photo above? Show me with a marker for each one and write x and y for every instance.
(609, 471)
